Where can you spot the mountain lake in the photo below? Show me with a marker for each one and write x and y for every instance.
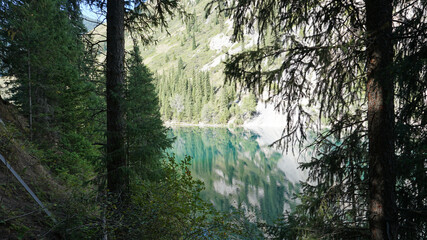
(240, 170)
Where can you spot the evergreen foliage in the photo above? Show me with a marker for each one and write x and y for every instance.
(172, 209)
(191, 98)
(320, 55)
(43, 52)
(310, 55)
(146, 136)
(43, 45)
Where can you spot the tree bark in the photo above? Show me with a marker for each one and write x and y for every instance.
(117, 177)
(380, 91)
(30, 101)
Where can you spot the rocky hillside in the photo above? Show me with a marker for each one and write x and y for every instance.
(187, 61)
(202, 43)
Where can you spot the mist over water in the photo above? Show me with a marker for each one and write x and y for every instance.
(240, 170)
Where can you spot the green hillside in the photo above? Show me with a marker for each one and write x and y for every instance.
(200, 42)
(187, 61)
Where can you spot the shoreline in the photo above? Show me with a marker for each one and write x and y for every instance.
(251, 126)
(200, 124)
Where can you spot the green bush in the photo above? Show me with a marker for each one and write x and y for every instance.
(171, 208)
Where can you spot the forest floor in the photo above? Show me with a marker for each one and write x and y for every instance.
(20, 216)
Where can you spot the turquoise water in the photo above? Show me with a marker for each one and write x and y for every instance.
(240, 170)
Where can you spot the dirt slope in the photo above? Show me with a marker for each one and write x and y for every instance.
(20, 215)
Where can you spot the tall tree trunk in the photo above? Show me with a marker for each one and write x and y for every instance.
(116, 158)
(30, 101)
(380, 90)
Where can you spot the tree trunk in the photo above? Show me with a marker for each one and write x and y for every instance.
(116, 158)
(30, 101)
(380, 90)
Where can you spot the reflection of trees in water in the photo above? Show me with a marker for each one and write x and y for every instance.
(235, 161)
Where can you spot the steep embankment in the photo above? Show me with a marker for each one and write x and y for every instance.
(20, 216)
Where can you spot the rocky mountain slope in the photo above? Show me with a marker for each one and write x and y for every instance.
(191, 49)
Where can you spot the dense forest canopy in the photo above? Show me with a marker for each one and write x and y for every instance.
(349, 59)
(349, 76)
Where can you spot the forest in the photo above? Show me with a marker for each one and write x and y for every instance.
(89, 110)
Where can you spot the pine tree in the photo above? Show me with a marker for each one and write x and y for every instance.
(193, 39)
(52, 82)
(42, 51)
(146, 137)
(138, 22)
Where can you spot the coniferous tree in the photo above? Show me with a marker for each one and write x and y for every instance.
(132, 15)
(117, 177)
(138, 17)
(349, 48)
(146, 137)
(44, 53)
(193, 39)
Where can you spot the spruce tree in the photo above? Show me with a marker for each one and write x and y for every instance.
(193, 40)
(117, 176)
(51, 84)
(138, 17)
(146, 137)
(42, 50)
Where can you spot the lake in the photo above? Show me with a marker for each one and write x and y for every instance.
(239, 169)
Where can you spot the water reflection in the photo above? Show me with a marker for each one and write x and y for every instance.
(240, 170)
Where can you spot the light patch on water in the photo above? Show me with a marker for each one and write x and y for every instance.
(261, 192)
(286, 207)
(223, 188)
(268, 126)
(249, 214)
(237, 182)
(246, 155)
(266, 119)
(289, 166)
(257, 160)
(256, 163)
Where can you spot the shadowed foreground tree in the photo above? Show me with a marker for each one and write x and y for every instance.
(40, 51)
(138, 17)
(333, 66)
(117, 177)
